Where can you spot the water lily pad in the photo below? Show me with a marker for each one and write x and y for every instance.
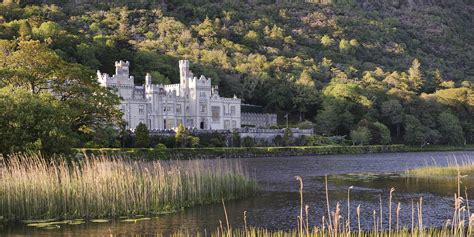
(51, 227)
(45, 224)
(100, 220)
(76, 222)
(136, 219)
(38, 221)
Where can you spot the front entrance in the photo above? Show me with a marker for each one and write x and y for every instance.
(201, 125)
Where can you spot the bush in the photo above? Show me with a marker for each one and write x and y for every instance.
(193, 141)
(360, 136)
(142, 136)
(160, 146)
(305, 125)
(236, 139)
(278, 140)
(248, 142)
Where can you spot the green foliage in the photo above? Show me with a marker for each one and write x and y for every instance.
(33, 67)
(450, 129)
(160, 146)
(305, 125)
(360, 135)
(327, 41)
(383, 134)
(236, 139)
(34, 122)
(142, 136)
(392, 110)
(333, 65)
(248, 142)
(181, 136)
(193, 141)
(287, 137)
(232, 152)
(415, 76)
(416, 133)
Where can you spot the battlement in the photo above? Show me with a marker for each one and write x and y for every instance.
(171, 86)
(122, 68)
(232, 100)
(102, 77)
(201, 81)
(117, 80)
(184, 63)
(259, 114)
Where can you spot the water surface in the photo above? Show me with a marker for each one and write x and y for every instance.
(276, 206)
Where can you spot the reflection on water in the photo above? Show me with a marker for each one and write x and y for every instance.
(443, 186)
(276, 206)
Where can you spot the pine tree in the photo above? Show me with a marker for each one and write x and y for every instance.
(415, 76)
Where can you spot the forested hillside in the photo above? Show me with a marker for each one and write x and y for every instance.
(352, 67)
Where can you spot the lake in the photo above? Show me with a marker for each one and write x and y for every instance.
(276, 205)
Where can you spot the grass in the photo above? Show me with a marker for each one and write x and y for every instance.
(453, 169)
(32, 187)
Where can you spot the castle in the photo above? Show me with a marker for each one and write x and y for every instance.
(194, 102)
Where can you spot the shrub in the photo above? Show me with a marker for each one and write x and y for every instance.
(160, 146)
(360, 135)
(142, 136)
(248, 142)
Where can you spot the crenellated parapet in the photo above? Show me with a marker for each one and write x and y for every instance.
(119, 81)
(231, 100)
(122, 68)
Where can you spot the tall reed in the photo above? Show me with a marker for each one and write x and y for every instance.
(33, 187)
(452, 169)
(462, 223)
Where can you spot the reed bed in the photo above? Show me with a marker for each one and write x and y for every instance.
(260, 232)
(32, 187)
(452, 169)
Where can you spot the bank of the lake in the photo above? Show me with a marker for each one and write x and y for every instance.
(246, 152)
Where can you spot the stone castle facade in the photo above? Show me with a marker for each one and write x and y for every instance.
(194, 102)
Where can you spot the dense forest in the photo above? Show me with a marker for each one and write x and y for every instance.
(365, 69)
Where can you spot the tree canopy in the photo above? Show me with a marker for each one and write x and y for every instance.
(333, 64)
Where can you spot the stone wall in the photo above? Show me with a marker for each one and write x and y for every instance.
(258, 120)
(269, 134)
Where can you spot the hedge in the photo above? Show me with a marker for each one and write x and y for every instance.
(238, 152)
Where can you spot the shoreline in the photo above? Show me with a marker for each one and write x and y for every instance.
(253, 152)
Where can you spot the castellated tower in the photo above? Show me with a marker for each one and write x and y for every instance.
(148, 79)
(184, 73)
(122, 68)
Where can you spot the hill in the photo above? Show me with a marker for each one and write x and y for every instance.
(341, 64)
